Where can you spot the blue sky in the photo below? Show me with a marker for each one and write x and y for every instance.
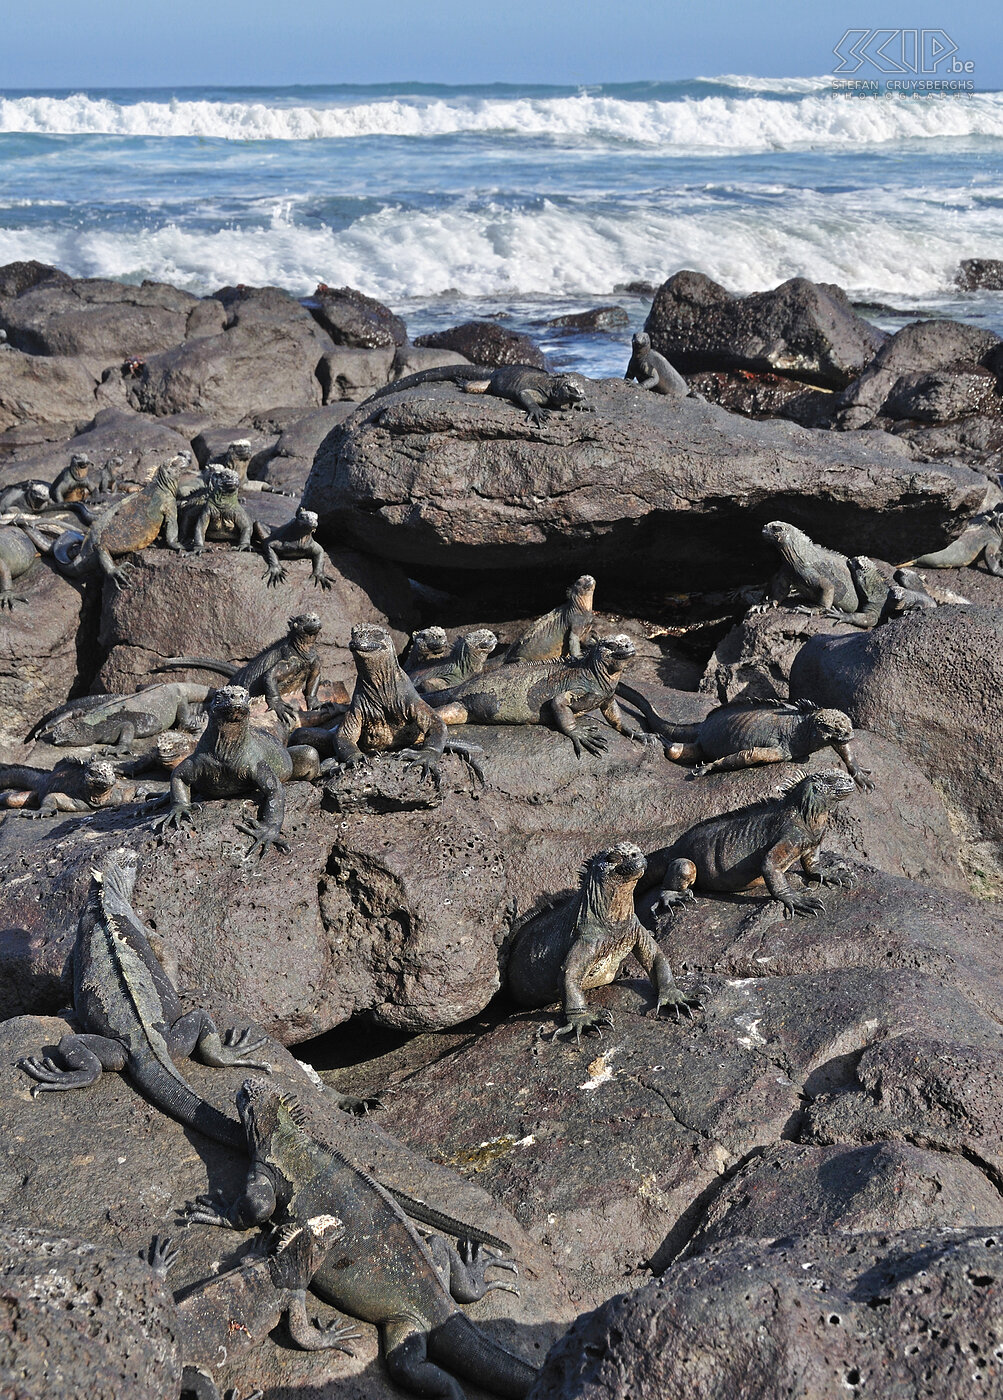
(109, 43)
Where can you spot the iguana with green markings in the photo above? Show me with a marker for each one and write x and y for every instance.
(465, 658)
(581, 943)
(115, 722)
(380, 1270)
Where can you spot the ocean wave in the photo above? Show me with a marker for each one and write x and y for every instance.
(704, 124)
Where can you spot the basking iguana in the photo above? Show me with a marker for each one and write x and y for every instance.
(983, 535)
(280, 669)
(69, 787)
(561, 632)
(549, 692)
(581, 944)
(746, 733)
(19, 548)
(428, 645)
(758, 843)
(881, 601)
(214, 511)
(652, 370)
(908, 593)
(819, 576)
(387, 715)
(67, 492)
(115, 722)
(380, 1270)
(131, 524)
(232, 759)
(466, 658)
(293, 540)
(237, 457)
(528, 388)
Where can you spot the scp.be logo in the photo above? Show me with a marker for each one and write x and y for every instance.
(900, 51)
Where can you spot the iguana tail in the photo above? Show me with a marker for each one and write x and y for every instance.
(12, 775)
(41, 727)
(67, 554)
(428, 1215)
(172, 1096)
(442, 374)
(461, 1347)
(678, 733)
(204, 663)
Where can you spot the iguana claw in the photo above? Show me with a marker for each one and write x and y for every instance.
(676, 1001)
(264, 836)
(321, 581)
(180, 815)
(589, 1022)
(427, 760)
(209, 1209)
(162, 1255)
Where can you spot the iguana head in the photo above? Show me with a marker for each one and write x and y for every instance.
(307, 518)
(99, 776)
(37, 495)
(223, 481)
(613, 654)
(170, 473)
(817, 795)
(481, 643)
(298, 1250)
(831, 726)
(80, 464)
(277, 1142)
(429, 644)
(641, 340)
(304, 627)
(607, 881)
(792, 543)
(369, 639)
(582, 591)
(565, 392)
(238, 451)
(864, 570)
(230, 704)
(117, 872)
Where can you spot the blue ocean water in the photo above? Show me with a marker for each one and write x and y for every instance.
(516, 202)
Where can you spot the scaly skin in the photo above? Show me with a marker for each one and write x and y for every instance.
(231, 759)
(19, 548)
(747, 733)
(531, 389)
(428, 645)
(214, 511)
(381, 1270)
(652, 370)
(758, 843)
(66, 493)
(562, 632)
(69, 787)
(293, 540)
(582, 943)
(819, 576)
(115, 722)
(387, 715)
(465, 659)
(549, 692)
(982, 536)
(280, 669)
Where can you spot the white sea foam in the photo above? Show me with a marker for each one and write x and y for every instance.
(705, 124)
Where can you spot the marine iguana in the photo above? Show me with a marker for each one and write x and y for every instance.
(19, 548)
(116, 721)
(746, 733)
(533, 390)
(69, 787)
(561, 632)
(983, 535)
(907, 594)
(819, 576)
(380, 1270)
(237, 457)
(387, 715)
(214, 511)
(652, 370)
(428, 645)
(231, 759)
(280, 669)
(131, 524)
(881, 601)
(293, 540)
(66, 493)
(581, 944)
(549, 692)
(466, 658)
(758, 843)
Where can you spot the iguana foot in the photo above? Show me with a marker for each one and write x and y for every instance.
(669, 900)
(699, 771)
(766, 606)
(233, 1050)
(477, 1258)
(675, 1001)
(351, 1103)
(196, 549)
(427, 760)
(210, 1209)
(177, 817)
(162, 1255)
(537, 416)
(863, 782)
(342, 765)
(584, 1022)
(52, 1076)
(466, 752)
(275, 576)
(285, 714)
(808, 904)
(312, 1335)
(642, 736)
(838, 878)
(120, 576)
(7, 600)
(321, 581)
(264, 836)
(593, 740)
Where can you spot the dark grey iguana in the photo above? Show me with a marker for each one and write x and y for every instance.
(387, 715)
(908, 593)
(230, 760)
(652, 370)
(466, 658)
(881, 601)
(19, 548)
(982, 536)
(561, 632)
(280, 669)
(293, 540)
(380, 1270)
(115, 722)
(533, 390)
(428, 645)
(214, 511)
(549, 692)
(757, 844)
(66, 493)
(819, 576)
(69, 787)
(581, 944)
(131, 524)
(746, 733)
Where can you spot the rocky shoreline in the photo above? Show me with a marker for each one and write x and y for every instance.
(743, 1198)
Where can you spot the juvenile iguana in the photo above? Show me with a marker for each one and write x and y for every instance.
(115, 722)
(819, 576)
(466, 658)
(549, 692)
(387, 715)
(880, 601)
(280, 669)
(982, 536)
(561, 632)
(66, 493)
(232, 759)
(652, 370)
(581, 944)
(214, 511)
(428, 645)
(746, 733)
(293, 540)
(131, 524)
(69, 787)
(19, 548)
(380, 1270)
(533, 390)
(757, 844)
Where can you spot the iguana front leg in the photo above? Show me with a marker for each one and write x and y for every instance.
(243, 522)
(777, 591)
(317, 574)
(170, 527)
(117, 573)
(275, 573)
(463, 1268)
(536, 409)
(838, 878)
(774, 863)
(7, 597)
(267, 830)
(613, 716)
(656, 965)
(858, 775)
(564, 718)
(429, 757)
(311, 1336)
(198, 534)
(280, 708)
(84, 1058)
(195, 1035)
(254, 1207)
(180, 813)
(311, 686)
(580, 959)
(347, 753)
